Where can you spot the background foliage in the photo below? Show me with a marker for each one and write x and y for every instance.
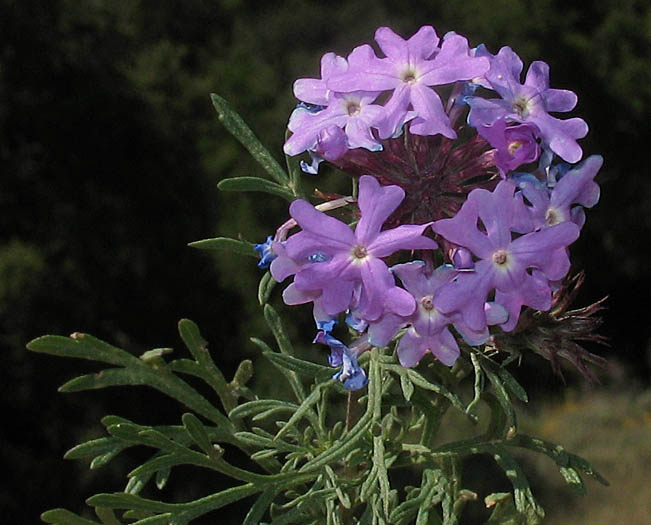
(110, 154)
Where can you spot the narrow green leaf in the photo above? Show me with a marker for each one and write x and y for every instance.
(198, 347)
(159, 462)
(135, 484)
(507, 379)
(107, 516)
(525, 503)
(162, 477)
(423, 383)
(407, 387)
(293, 164)
(478, 385)
(197, 433)
(504, 511)
(369, 485)
(100, 461)
(254, 407)
(81, 346)
(65, 517)
(225, 244)
(383, 479)
(573, 479)
(584, 466)
(139, 514)
(187, 366)
(105, 378)
(255, 184)
(243, 374)
(302, 411)
(129, 432)
(300, 366)
(285, 346)
(342, 447)
(259, 508)
(266, 286)
(266, 442)
(109, 420)
(120, 500)
(264, 454)
(498, 425)
(93, 448)
(276, 326)
(161, 519)
(564, 459)
(503, 398)
(405, 511)
(219, 500)
(239, 129)
(333, 482)
(155, 439)
(555, 452)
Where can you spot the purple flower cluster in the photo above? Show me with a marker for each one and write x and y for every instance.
(475, 240)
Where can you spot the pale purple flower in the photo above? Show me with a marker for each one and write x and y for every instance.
(353, 112)
(293, 296)
(341, 263)
(550, 206)
(515, 145)
(484, 225)
(428, 331)
(529, 102)
(314, 90)
(410, 68)
(331, 145)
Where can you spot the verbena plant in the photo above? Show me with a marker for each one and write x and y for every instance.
(449, 261)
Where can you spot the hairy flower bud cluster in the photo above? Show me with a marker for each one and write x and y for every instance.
(478, 240)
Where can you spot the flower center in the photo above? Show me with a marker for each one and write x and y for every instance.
(500, 257)
(427, 303)
(353, 108)
(409, 76)
(552, 217)
(359, 252)
(521, 106)
(514, 146)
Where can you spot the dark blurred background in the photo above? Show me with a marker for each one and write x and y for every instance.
(109, 157)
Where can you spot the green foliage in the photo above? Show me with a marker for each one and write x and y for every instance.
(309, 470)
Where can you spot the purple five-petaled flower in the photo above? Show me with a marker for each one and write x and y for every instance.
(342, 266)
(519, 270)
(409, 69)
(550, 206)
(514, 145)
(529, 102)
(354, 112)
(428, 327)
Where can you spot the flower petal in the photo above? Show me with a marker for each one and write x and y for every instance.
(431, 119)
(376, 204)
(382, 331)
(333, 232)
(405, 237)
